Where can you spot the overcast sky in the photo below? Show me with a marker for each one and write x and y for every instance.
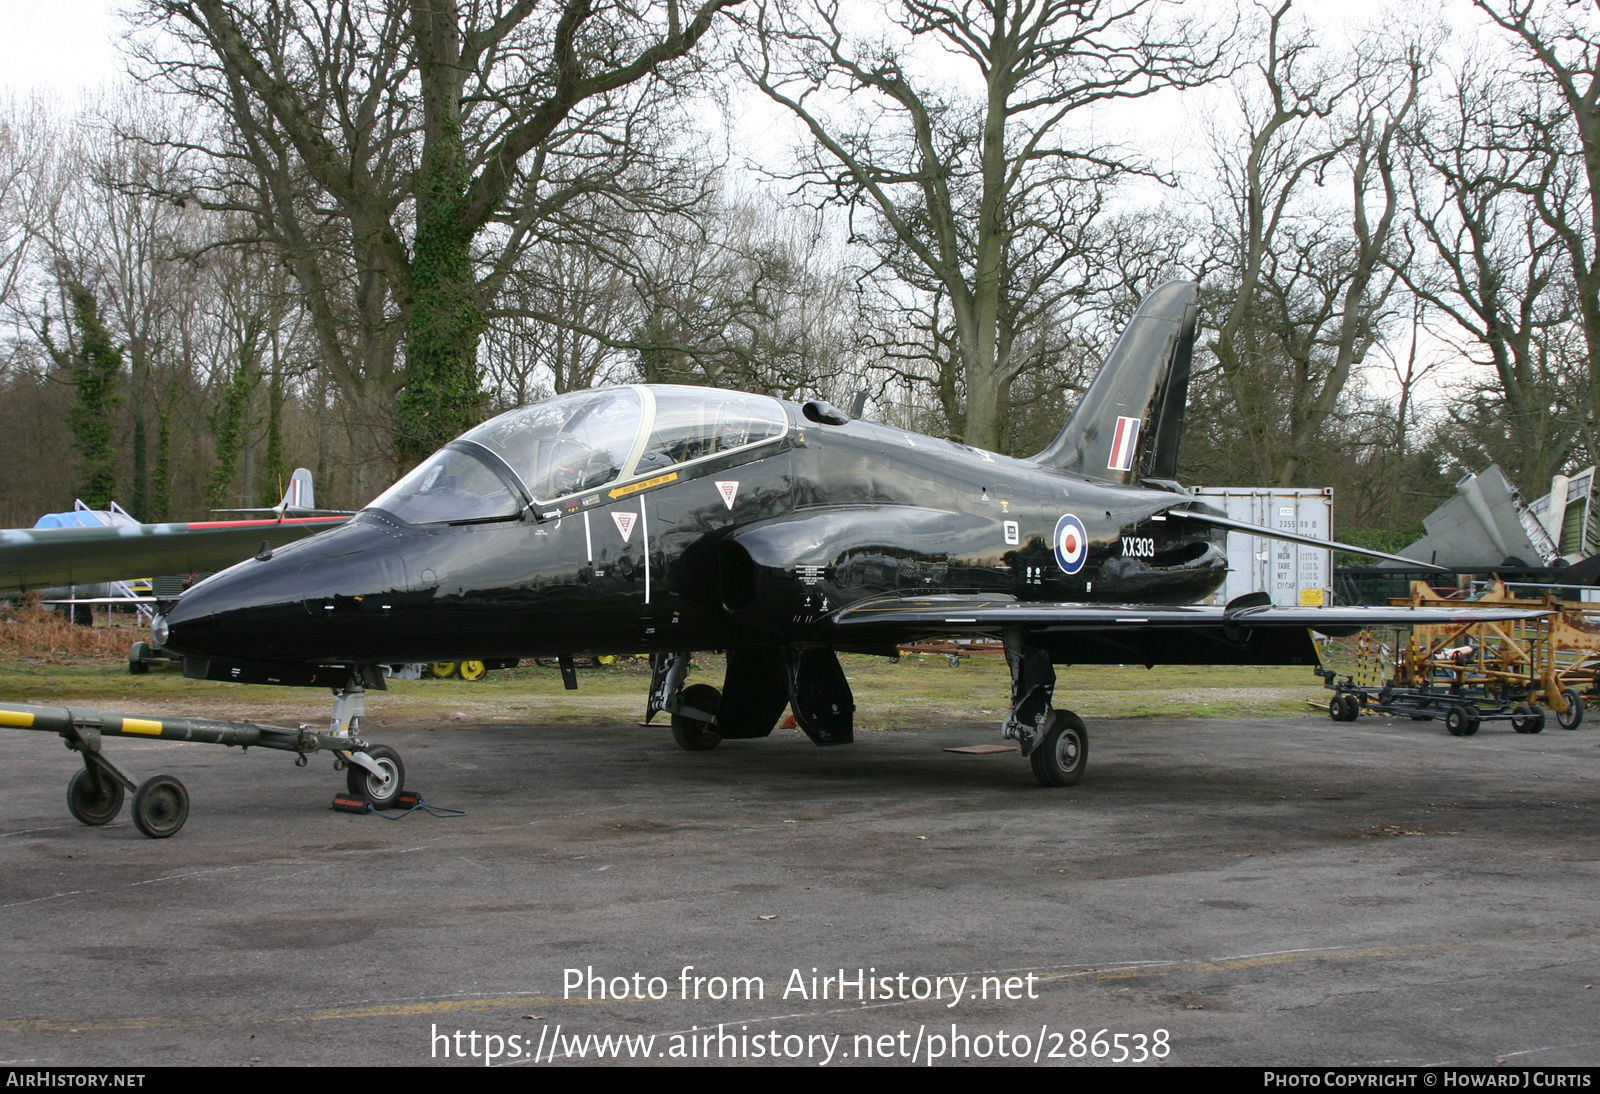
(57, 47)
(65, 47)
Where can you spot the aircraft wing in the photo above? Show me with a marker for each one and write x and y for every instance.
(35, 558)
(1140, 633)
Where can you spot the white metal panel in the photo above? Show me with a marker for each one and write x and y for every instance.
(1292, 574)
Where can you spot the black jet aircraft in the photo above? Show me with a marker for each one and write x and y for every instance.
(673, 519)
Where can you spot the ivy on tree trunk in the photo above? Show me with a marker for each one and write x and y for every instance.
(443, 395)
(96, 368)
(228, 429)
(274, 470)
(161, 488)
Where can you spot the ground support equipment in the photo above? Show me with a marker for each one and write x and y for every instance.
(1549, 659)
(1462, 712)
(160, 803)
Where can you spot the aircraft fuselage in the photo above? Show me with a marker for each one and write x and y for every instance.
(756, 546)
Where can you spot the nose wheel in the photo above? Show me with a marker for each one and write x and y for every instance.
(694, 734)
(382, 787)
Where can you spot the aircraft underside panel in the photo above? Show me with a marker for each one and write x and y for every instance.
(1207, 646)
(754, 694)
(820, 694)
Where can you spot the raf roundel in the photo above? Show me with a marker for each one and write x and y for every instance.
(1072, 544)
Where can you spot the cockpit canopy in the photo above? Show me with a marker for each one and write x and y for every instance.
(587, 439)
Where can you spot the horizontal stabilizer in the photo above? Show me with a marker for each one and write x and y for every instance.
(1291, 537)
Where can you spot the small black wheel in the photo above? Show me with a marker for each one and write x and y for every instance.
(94, 797)
(136, 659)
(692, 734)
(1572, 717)
(1527, 719)
(160, 806)
(380, 790)
(1352, 708)
(1461, 721)
(1336, 708)
(1061, 755)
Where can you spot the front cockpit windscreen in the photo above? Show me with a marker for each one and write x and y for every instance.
(452, 486)
(566, 444)
(578, 442)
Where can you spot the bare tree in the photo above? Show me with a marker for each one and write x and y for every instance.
(980, 205)
(439, 138)
(1305, 279)
(1489, 263)
(1560, 46)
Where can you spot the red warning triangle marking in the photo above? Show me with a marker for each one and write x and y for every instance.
(729, 491)
(625, 523)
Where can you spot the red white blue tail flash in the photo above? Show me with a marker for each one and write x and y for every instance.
(1123, 445)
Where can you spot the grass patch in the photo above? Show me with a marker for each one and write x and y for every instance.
(916, 691)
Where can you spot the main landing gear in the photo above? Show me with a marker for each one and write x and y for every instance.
(161, 803)
(760, 682)
(1054, 741)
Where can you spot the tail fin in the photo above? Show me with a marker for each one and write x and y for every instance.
(300, 494)
(1128, 424)
(298, 498)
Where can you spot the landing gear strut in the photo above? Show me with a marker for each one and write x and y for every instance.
(1054, 741)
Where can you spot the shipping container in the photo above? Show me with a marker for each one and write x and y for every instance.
(1292, 574)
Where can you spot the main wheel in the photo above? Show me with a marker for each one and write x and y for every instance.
(1461, 721)
(160, 806)
(380, 790)
(1572, 717)
(94, 797)
(442, 670)
(692, 734)
(1059, 758)
(1527, 719)
(136, 659)
(472, 670)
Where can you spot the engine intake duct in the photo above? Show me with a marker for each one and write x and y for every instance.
(788, 573)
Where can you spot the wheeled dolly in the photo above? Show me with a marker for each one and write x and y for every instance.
(1462, 714)
(161, 803)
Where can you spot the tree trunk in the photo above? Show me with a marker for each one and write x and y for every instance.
(442, 396)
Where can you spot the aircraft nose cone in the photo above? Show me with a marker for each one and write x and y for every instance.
(287, 606)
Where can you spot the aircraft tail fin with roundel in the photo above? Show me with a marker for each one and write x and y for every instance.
(1129, 422)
